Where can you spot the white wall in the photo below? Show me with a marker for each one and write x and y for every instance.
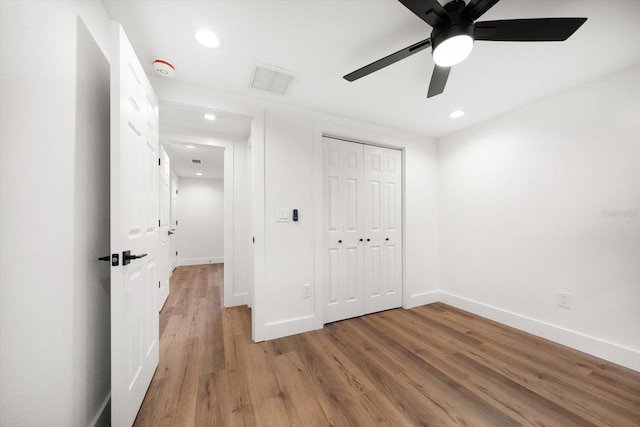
(547, 199)
(292, 141)
(54, 224)
(200, 233)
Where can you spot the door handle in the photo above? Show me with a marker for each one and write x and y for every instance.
(127, 257)
(113, 258)
(170, 232)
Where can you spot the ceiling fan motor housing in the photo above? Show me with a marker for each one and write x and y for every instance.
(457, 24)
(457, 27)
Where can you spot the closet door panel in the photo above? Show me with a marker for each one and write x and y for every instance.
(343, 225)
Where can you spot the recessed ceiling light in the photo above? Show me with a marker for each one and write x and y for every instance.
(456, 114)
(207, 38)
(210, 116)
(198, 173)
(190, 146)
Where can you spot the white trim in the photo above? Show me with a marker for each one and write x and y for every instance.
(289, 327)
(103, 416)
(597, 347)
(201, 261)
(424, 298)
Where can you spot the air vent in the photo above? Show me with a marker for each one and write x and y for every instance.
(196, 161)
(272, 79)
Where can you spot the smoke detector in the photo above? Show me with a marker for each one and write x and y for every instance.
(164, 68)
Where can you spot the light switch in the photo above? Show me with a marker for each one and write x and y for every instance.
(282, 215)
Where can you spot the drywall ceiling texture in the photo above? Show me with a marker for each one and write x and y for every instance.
(547, 199)
(321, 41)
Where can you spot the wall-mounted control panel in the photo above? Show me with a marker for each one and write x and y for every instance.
(286, 215)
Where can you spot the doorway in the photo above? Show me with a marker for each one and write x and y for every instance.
(212, 147)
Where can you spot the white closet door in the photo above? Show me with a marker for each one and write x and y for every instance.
(343, 214)
(383, 228)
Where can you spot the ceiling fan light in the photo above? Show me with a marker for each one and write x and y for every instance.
(453, 50)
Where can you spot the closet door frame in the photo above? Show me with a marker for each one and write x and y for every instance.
(322, 130)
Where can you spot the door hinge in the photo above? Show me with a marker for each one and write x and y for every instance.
(158, 161)
(158, 284)
(158, 223)
(176, 253)
(254, 239)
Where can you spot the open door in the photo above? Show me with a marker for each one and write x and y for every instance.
(166, 264)
(134, 231)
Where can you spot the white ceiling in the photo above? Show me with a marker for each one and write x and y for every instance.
(212, 158)
(322, 40)
(179, 124)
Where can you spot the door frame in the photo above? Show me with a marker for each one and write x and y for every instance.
(256, 297)
(378, 139)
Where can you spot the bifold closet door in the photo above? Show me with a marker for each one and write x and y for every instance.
(363, 229)
(344, 228)
(383, 228)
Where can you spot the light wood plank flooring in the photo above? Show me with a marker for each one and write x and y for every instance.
(433, 365)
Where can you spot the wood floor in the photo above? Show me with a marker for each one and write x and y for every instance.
(433, 365)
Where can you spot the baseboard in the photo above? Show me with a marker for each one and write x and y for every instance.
(103, 417)
(238, 299)
(200, 261)
(605, 350)
(421, 299)
(291, 327)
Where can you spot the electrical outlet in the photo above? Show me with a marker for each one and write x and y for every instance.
(306, 291)
(564, 299)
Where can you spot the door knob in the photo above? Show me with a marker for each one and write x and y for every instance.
(339, 241)
(368, 240)
(361, 240)
(387, 239)
(127, 257)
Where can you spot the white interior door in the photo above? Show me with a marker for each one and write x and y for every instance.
(383, 228)
(166, 266)
(174, 219)
(134, 228)
(343, 225)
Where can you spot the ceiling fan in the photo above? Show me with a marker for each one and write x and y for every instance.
(455, 29)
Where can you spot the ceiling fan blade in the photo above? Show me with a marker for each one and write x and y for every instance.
(438, 80)
(528, 30)
(430, 11)
(476, 8)
(388, 60)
